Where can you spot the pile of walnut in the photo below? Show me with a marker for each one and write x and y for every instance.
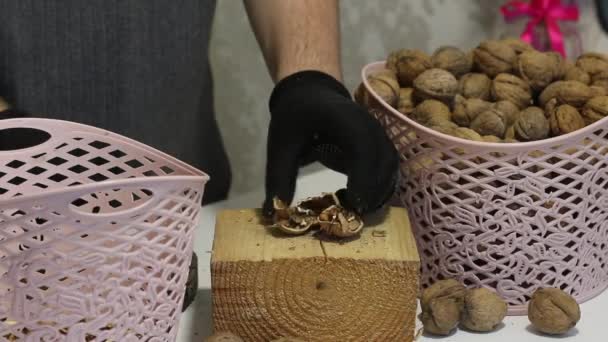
(447, 303)
(501, 91)
(323, 212)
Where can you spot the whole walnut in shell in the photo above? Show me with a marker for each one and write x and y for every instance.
(592, 62)
(465, 110)
(409, 64)
(595, 109)
(511, 88)
(598, 91)
(517, 44)
(565, 119)
(435, 84)
(573, 93)
(489, 122)
(493, 57)
(475, 85)
(577, 74)
(223, 337)
(483, 310)
(431, 113)
(491, 139)
(600, 79)
(384, 84)
(538, 68)
(452, 59)
(405, 104)
(441, 305)
(531, 125)
(552, 311)
(508, 110)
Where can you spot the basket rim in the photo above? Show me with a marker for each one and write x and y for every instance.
(39, 123)
(510, 146)
(144, 182)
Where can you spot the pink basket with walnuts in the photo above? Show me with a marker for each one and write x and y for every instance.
(96, 234)
(511, 217)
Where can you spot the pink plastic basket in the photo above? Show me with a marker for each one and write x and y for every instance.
(96, 234)
(509, 217)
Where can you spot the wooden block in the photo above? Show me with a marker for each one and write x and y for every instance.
(266, 285)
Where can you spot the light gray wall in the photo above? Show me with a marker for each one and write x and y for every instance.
(369, 30)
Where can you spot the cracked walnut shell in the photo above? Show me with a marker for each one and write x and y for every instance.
(552, 311)
(493, 57)
(483, 310)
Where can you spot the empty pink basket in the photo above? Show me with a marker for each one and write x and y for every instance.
(510, 217)
(96, 234)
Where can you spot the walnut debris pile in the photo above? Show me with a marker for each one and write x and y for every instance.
(323, 213)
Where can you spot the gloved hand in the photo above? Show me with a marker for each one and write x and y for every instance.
(313, 118)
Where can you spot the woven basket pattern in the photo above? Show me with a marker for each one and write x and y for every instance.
(509, 217)
(96, 236)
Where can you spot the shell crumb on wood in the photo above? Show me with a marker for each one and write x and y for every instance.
(322, 212)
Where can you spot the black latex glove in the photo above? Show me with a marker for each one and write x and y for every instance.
(313, 118)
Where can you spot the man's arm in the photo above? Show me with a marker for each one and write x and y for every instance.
(297, 35)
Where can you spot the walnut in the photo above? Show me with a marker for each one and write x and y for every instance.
(600, 79)
(483, 310)
(452, 59)
(531, 125)
(409, 64)
(489, 122)
(391, 61)
(552, 311)
(441, 305)
(223, 337)
(384, 84)
(564, 64)
(406, 105)
(324, 212)
(287, 339)
(577, 74)
(595, 109)
(475, 85)
(435, 84)
(431, 113)
(465, 110)
(517, 45)
(538, 68)
(466, 133)
(573, 93)
(511, 88)
(565, 119)
(491, 139)
(598, 91)
(592, 62)
(510, 133)
(508, 110)
(494, 57)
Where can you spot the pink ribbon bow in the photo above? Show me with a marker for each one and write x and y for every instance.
(549, 11)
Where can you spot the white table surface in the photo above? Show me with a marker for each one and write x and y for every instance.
(196, 322)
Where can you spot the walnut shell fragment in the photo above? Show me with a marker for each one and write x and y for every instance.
(452, 59)
(552, 311)
(223, 337)
(483, 310)
(441, 305)
(323, 212)
(435, 84)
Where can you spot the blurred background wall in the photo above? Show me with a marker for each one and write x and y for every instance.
(370, 29)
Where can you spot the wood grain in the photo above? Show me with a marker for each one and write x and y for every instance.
(267, 286)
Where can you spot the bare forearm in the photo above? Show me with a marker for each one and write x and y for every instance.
(297, 35)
